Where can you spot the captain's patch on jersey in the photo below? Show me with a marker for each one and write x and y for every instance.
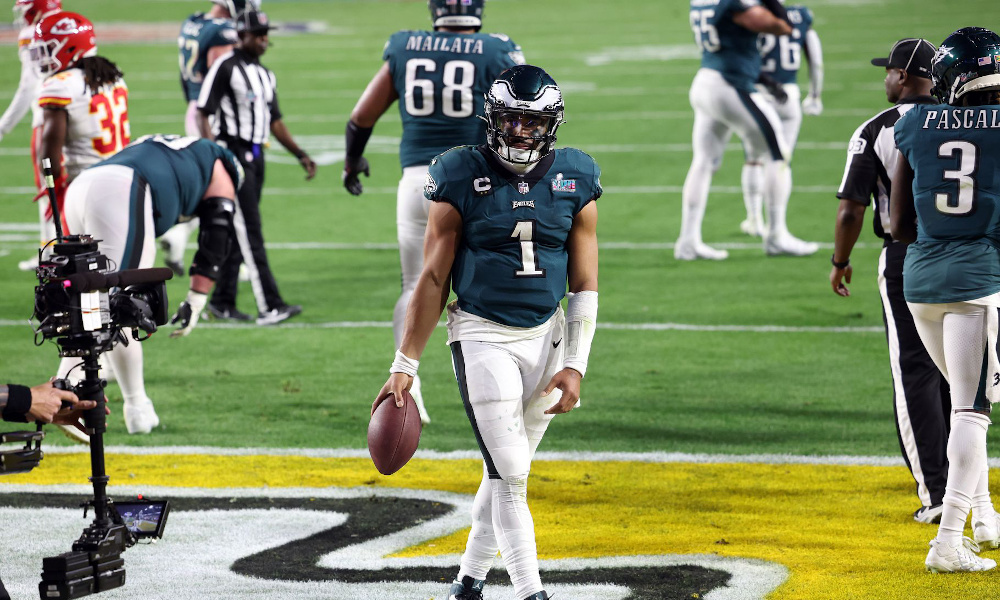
(564, 185)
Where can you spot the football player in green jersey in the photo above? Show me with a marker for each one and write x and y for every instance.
(945, 199)
(438, 77)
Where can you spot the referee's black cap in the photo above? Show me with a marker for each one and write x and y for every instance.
(253, 21)
(912, 55)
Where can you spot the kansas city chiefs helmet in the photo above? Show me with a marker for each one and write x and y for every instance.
(966, 61)
(456, 13)
(29, 12)
(524, 107)
(60, 41)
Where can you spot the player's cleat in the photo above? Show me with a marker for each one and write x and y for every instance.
(538, 596)
(30, 265)
(173, 259)
(956, 557)
(278, 314)
(75, 434)
(227, 313)
(987, 531)
(788, 245)
(140, 417)
(928, 514)
(418, 398)
(752, 228)
(694, 251)
(467, 589)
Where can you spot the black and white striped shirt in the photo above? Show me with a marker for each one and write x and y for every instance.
(871, 162)
(242, 96)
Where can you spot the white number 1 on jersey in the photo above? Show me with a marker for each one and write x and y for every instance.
(524, 231)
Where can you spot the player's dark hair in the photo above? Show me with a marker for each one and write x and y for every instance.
(981, 98)
(98, 72)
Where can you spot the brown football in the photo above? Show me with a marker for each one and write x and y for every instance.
(393, 434)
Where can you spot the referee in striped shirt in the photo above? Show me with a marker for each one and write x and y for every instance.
(240, 97)
(921, 400)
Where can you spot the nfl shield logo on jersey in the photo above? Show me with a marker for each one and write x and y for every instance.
(522, 187)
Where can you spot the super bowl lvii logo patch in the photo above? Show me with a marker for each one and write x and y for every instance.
(563, 185)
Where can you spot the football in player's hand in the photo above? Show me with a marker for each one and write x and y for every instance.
(393, 434)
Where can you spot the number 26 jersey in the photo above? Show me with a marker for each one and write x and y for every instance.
(511, 263)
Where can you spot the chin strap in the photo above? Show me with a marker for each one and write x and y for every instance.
(581, 324)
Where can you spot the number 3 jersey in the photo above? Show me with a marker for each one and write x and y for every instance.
(955, 156)
(441, 79)
(97, 124)
(511, 264)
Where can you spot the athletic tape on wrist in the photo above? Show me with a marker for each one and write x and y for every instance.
(404, 364)
(581, 324)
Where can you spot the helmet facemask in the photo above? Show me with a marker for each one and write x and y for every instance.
(45, 56)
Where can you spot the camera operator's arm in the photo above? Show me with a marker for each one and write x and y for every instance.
(216, 212)
(41, 403)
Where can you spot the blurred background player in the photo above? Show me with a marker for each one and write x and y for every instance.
(238, 106)
(725, 100)
(920, 398)
(512, 222)
(945, 201)
(132, 197)
(781, 57)
(83, 97)
(203, 39)
(441, 76)
(26, 14)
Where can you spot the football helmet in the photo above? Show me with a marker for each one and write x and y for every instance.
(60, 41)
(235, 7)
(456, 13)
(29, 12)
(966, 61)
(524, 107)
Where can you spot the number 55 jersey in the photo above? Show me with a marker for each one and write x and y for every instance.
(441, 78)
(955, 156)
(511, 264)
(97, 124)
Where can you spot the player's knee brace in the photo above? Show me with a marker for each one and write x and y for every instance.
(215, 236)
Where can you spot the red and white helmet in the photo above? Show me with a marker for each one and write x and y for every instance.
(29, 12)
(60, 41)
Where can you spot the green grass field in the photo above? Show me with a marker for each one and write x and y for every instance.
(626, 71)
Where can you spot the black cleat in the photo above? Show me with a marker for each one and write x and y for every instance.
(278, 314)
(467, 589)
(539, 596)
(227, 313)
(929, 514)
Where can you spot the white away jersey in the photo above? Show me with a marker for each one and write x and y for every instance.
(27, 88)
(98, 123)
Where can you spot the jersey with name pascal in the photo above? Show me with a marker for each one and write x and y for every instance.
(441, 78)
(178, 171)
(955, 156)
(725, 46)
(199, 34)
(511, 264)
(781, 56)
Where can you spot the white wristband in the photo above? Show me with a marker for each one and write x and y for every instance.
(404, 364)
(581, 324)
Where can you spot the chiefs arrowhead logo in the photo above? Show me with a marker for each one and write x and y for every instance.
(65, 26)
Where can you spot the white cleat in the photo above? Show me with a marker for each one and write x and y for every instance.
(987, 531)
(140, 417)
(418, 399)
(75, 434)
(698, 250)
(752, 228)
(956, 557)
(30, 265)
(788, 245)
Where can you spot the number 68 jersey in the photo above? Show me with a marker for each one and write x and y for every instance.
(97, 124)
(511, 264)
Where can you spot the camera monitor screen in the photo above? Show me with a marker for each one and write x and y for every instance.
(144, 518)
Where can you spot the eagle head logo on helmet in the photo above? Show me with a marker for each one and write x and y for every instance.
(465, 14)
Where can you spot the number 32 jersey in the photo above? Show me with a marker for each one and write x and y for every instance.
(97, 123)
(441, 79)
(511, 264)
(955, 156)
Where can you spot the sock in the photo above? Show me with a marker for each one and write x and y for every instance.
(753, 193)
(515, 534)
(777, 191)
(966, 463)
(695, 198)
(982, 506)
(481, 549)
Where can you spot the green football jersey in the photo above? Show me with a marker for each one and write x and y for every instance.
(725, 46)
(955, 156)
(441, 79)
(511, 264)
(178, 171)
(199, 34)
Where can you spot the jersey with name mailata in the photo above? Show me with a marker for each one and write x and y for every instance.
(511, 264)
(199, 34)
(441, 78)
(725, 46)
(781, 55)
(955, 156)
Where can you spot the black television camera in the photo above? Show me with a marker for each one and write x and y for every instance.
(84, 308)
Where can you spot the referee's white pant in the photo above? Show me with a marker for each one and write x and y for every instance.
(719, 110)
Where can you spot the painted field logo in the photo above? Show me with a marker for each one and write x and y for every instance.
(564, 185)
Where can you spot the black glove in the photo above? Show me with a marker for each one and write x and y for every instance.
(773, 87)
(187, 313)
(353, 167)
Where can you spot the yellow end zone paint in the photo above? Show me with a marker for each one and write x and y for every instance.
(843, 532)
